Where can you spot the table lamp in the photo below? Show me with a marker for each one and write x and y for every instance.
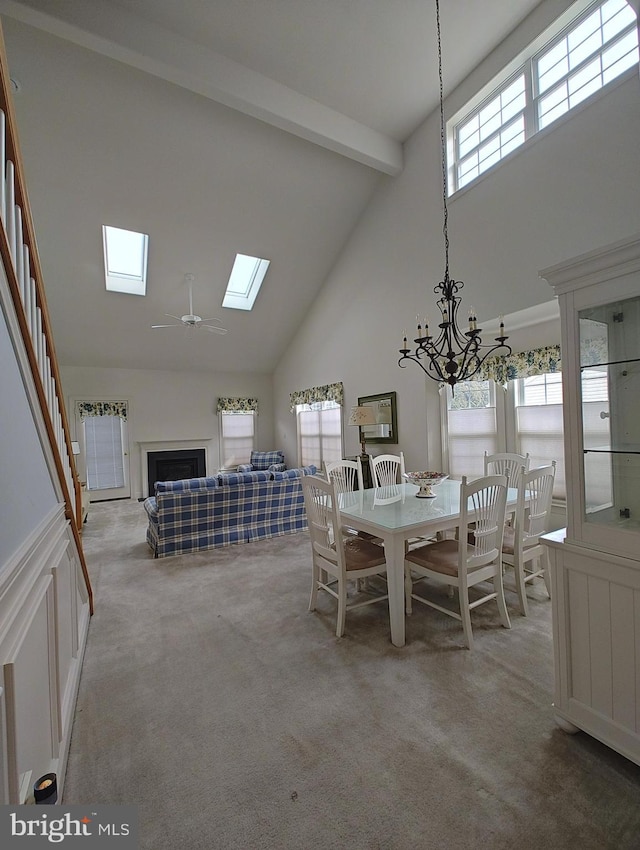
(362, 416)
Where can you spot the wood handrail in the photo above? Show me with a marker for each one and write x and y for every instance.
(55, 421)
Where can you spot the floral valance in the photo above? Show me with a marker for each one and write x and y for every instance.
(101, 408)
(237, 405)
(329, 392)
(523, 364)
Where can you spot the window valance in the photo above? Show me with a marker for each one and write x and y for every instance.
(102, 408)
(237, 405)
(523, 364)
(328, 392)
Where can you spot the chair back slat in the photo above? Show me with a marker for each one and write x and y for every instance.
(534, 503)
(346, 475)
(320, 499)
(387, 469)
(506, 463)
(483, 504)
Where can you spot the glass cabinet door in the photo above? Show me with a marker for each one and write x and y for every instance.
(610, 399)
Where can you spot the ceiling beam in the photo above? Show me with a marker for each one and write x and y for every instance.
(115, 32)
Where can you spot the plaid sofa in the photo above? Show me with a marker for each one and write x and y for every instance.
(207, 513)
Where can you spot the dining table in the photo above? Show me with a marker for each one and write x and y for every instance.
(396, 514)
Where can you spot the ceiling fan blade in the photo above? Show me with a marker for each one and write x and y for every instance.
(171, 316)
(213, 329)
(212, 319)
(165, 326)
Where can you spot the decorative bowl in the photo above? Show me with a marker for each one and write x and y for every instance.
(425, 481)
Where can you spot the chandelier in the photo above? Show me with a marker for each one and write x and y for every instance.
(450, 354)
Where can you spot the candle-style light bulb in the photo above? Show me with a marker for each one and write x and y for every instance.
(501, 326)
(404, 339)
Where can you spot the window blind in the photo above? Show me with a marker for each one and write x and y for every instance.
(104, 455)
(237, 433)
(319, 433)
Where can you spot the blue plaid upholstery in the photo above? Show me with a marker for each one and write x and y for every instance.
(187, 484)
(264, 460)
(232, 508)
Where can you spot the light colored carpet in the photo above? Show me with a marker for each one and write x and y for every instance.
(235, 719)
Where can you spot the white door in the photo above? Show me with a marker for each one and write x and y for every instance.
(106, 457)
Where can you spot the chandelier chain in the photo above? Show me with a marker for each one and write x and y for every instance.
(449, 354)
(445, 227)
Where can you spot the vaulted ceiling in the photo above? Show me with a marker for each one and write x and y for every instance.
(217, 127)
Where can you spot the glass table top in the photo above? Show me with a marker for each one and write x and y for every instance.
(397, 506)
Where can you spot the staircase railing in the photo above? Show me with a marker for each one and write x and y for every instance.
(19, 253)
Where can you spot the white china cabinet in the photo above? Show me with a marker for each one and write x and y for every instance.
(595, 562)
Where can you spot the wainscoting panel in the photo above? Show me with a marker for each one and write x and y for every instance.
(596, 608)
(44, 612)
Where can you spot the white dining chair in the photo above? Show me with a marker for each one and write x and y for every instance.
(509, 464)
(346, 474)
(463, 564)
(337, 559)
(348, 478)
(387, 469)
(506, 463)
(521, 546)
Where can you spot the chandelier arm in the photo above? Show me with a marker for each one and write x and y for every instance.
(432, 366)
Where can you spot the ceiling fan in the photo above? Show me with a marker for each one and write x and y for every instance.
(190, 320)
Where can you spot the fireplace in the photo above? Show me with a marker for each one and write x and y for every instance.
(174, 465)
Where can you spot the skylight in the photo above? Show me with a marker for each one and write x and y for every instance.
(125, 260)
(245, 281)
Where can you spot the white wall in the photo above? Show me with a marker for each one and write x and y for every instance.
(28, 495)
(171, 406)
(569, 190)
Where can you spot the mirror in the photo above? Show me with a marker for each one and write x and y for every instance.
(386, 429)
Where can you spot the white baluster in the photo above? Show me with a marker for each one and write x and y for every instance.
(29, 293)
(18, 257)
(10, 204)
(33, 317)
(26, 272)
(38, 339)
(3, 188)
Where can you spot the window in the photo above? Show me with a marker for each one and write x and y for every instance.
(587, 48)
(538, 424)
(237, 435)
(104, 443)
(527, 418)
(470, 428)
(125, 260)
(245, 281)
(319, 428)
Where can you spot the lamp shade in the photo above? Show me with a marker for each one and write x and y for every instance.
(362, 416)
